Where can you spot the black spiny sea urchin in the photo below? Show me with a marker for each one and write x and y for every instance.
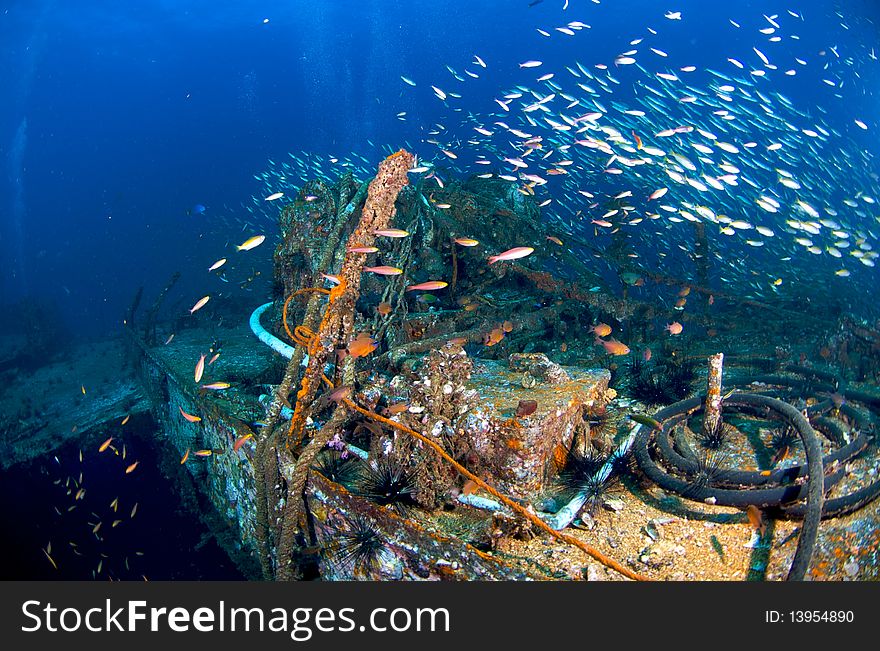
(709, 467)
(783, 442)
(716, 437)
(388, 484)
(359, 544)
(662, 383)
(581, 475)
(338, 467)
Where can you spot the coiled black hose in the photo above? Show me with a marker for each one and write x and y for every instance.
(733, 478)
(814, 491)
(864, 420)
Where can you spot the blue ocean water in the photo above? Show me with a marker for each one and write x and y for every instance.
(140, 139)
(118, 118)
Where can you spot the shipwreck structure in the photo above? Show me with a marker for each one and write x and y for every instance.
(374, 430)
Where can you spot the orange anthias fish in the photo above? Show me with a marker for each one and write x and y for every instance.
(340, 393)
(429, 286)
(493, 337)
(362, 249)
(512, 254)
(216, 386)
(613, 347)
(200, 368)
(241, 440)
(601, 329)
(390, 232)
(507, 326)
(555, 240)
(384, 270)
(105, 444)
(466, 241)
(756, 519)
(639, 144)
(131, 467)
(189, 417)
(363, 345)
(391, 410)
(204, 453)
(184, 457)
(674, 328)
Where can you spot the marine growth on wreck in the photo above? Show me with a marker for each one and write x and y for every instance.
(448, 414)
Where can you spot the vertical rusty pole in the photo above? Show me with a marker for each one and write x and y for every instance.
(712, 413)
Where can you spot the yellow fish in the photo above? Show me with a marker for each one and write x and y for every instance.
(251, 243)
(50, 558)
(217, 386)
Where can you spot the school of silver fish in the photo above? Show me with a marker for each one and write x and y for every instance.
(646, 145)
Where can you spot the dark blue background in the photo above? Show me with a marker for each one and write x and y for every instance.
(136, 111)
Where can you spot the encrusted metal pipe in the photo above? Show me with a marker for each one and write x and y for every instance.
(712, 413)
(566, 515)
(265, 336)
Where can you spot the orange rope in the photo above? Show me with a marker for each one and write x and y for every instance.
(518, 508)
(305, 337)
(284, 317)
(302, 341)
